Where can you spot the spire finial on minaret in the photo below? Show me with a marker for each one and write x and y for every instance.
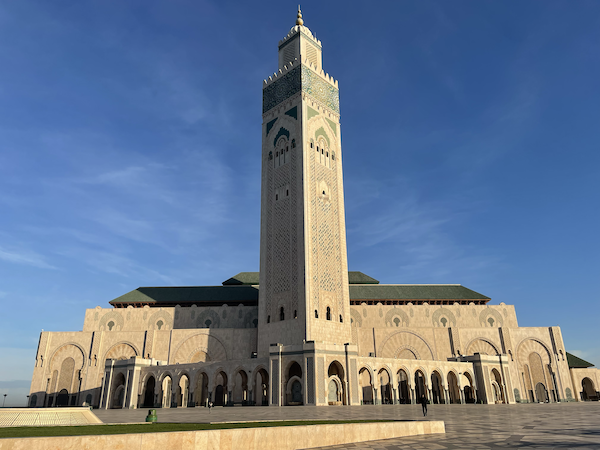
(299, 20)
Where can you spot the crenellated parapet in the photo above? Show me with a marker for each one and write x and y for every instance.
(294, 64)
(295, 77)
(299, 29)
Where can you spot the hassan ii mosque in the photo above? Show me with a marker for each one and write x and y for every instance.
(304, 330)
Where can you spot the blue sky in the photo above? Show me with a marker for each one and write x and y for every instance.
(130, 152)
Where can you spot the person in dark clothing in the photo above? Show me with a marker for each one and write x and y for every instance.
(423, 402)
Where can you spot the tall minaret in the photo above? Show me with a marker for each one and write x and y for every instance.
(303, 260)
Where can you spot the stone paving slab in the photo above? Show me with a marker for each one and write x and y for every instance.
(527, 426)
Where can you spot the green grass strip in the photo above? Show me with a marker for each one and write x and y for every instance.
(93, 430)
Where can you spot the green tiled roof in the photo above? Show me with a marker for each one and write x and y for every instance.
(201, 295)
(577, 363)
(360, 278)
(253, 277)
(243, 278)
(414, 292)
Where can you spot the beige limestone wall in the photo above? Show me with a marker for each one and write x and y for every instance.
(177, 317)
(276, 438)
(437, 316)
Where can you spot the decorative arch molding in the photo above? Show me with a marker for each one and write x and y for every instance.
(160, 315)
(483, 346)
(288, 388)
(421, 369)
(405, 353)
(443, 317)
(212, 346)
(210, 315)
(356, 317)
(406, 339)
(121, 350)
(405, 369)
(282, 132)
(67, 350)
(112, 316)
(490, 313)
(215, 375)
(396, 313)
(161, 379)
(441, 374)
(369, 369)
(532, 345)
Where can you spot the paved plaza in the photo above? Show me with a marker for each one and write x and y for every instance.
(531, 426)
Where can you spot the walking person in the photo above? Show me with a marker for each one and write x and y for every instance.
(423, 402)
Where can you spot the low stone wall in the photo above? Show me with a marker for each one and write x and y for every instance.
(36, 417)
(276, 438)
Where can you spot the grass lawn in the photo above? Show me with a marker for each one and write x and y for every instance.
(85, 430)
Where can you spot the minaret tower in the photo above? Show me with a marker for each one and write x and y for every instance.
(303, 259)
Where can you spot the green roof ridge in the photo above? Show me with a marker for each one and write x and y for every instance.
(576, 362)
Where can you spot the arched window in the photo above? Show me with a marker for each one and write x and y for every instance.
(270, 156)
(328, 316)
(293, 143)
(341, 319)
(295, 314)
(316, 314)
(333, 156)
(268, 319)
(281, 314)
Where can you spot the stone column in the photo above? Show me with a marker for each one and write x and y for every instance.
(412, 396)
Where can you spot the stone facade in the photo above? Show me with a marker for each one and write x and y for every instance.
(310, 335)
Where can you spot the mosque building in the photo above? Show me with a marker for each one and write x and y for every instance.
(304, 330)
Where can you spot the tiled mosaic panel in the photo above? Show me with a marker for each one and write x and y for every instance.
(301, 78)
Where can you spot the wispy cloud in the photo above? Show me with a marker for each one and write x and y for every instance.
(25, 257)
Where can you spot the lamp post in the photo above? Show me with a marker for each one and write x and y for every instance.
(4, 401)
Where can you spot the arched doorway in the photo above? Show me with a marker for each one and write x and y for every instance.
(183, 390)
(385, 387)
(261, 388)
(588, 391)
(220, 389)
(437, 390)
(420, 385)
(201, 390)
(336, 374)
(403, 387)
(541, 393)
(149, 392)
(294, 385)
(453, 390)
(118, 394)
(240, 388)
(366, 387)
(167, 386)
(469, 392)
(63, 398)
(498, 391)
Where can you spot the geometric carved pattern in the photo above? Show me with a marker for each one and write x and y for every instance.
(325, 233)
(443, 317)
(310, 380)
(67, 351)
(275, 383)
(121, 351)
(321, 379)
(491, 318)
(529, 346)
(301, 78)
(398, 344)
(198, 348)
(354, 381)
(396, 317)
(483, 347)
